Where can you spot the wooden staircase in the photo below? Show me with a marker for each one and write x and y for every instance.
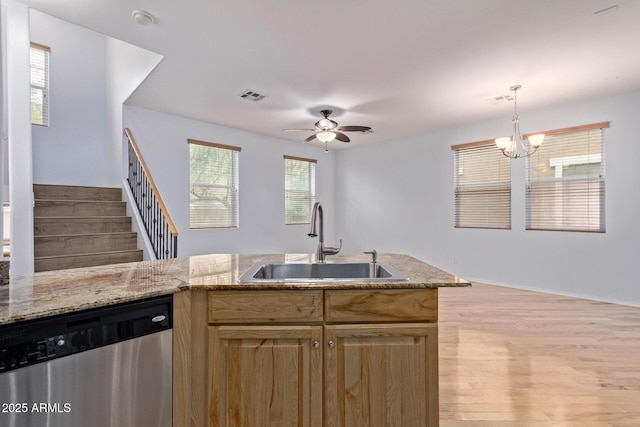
(81, 227)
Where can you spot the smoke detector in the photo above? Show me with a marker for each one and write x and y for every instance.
(142, 17)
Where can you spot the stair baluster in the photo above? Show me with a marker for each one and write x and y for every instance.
(158, 224)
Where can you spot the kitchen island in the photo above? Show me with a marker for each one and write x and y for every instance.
(312, 353)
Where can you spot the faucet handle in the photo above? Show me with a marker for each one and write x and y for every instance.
(374, 255)
(328, 250)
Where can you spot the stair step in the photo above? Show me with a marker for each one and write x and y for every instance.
(72, 192)
(55, 226)
(50, 263)
(84, 243)
(58, 208)
(81, 226)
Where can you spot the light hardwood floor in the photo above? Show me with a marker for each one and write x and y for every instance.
(517, 358)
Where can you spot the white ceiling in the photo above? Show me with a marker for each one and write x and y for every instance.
(403, 67)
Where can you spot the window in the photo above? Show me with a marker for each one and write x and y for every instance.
(213, 189)
(482, 184)
(565, 181)
(39, 64)
(299, 189)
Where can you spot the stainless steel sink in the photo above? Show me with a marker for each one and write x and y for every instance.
(326, 272)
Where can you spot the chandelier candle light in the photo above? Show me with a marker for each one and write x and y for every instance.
(514, 146)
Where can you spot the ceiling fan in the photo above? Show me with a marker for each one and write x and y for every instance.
(326, 130)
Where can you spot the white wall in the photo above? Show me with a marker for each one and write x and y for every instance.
(72, 150)
(162, 138)
(91, 76)
(398, 197)
(16, 31)
(127, 67)
(4, 136)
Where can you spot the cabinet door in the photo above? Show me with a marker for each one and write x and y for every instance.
(265, 376)
(381, 375)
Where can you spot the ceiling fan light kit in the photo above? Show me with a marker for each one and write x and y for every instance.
(325, 123)
(514, 146)
(327, 130)
(326, 136)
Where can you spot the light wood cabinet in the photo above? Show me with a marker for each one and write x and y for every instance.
(264, 307)
(381, 375)
(313, 358)
(265, 376)
(377, 306)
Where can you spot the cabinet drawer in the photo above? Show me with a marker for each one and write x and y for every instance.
(264, 306)
(382, 305)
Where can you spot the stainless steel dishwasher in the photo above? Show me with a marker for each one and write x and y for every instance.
(105, 367)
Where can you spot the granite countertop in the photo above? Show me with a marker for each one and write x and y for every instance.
(57, 292)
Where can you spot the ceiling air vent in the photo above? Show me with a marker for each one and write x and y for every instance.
(504, 98)
(500, 99)
(251, 95)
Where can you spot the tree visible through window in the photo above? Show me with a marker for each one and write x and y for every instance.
(39, 64)
(213, 190)
(299, 189)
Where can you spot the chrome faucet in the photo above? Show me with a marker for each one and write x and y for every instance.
(322, 249)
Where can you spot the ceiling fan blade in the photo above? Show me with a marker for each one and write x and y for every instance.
(297, 130)
(309, 139)
(354, 128)
(342, 137)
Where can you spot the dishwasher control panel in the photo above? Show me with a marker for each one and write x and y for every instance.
(34, 351)
(27, 343)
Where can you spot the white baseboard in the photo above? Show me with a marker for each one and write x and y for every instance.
(556, 292)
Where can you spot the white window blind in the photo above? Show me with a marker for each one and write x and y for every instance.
(299, 189)
(39, 65)
(213, 190)
(482, 184)
(565, 181)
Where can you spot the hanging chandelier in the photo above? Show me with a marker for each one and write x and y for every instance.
(514, 146)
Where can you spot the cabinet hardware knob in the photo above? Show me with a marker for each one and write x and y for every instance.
(331, 344)
(316, 344)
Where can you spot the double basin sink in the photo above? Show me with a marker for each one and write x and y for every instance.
(262, 272)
